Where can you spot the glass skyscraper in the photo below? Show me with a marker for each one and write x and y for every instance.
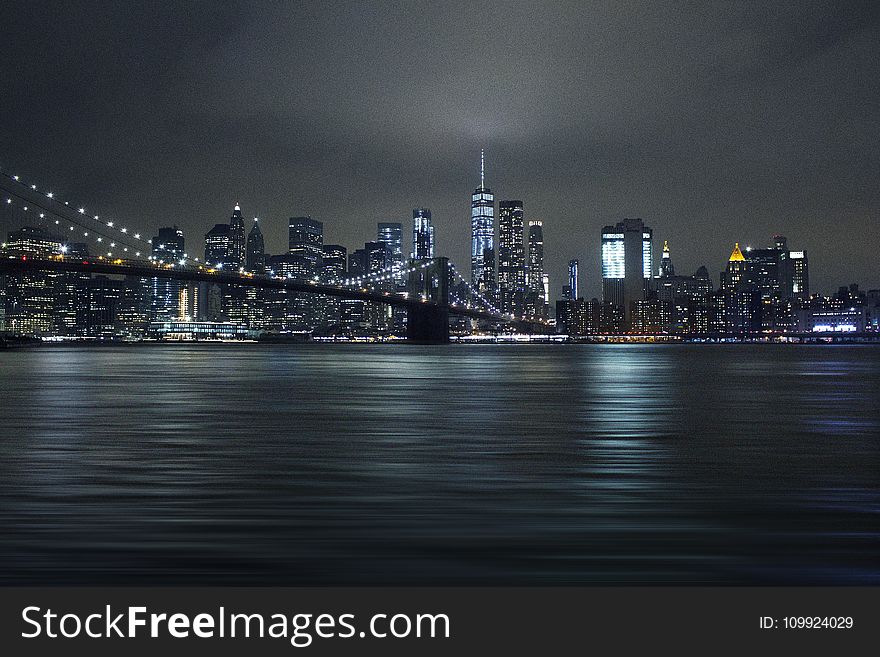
(423, 234)
(483, 236)
(627, 264)
(236, 253)
(511, 258)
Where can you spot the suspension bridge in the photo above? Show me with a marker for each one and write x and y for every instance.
(124, 250)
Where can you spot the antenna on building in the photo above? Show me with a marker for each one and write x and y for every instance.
(482, 170)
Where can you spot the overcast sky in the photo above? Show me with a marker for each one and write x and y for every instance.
(715, 123)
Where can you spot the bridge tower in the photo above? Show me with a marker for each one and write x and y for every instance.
(428, 323)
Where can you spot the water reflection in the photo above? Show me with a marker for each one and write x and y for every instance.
(467, 464)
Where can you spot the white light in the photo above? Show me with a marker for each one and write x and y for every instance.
(15, 177)
(33, 186)
(137, 236)
(82, 210)
(109, 223)
(50, 195)
(125, 230)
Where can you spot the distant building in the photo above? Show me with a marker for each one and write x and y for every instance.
(236, 253)
(168, 247)
(306, 245)
(30, 296)
(217, 244)
(627, 265)
(483, 237)
(573, 283)
(256, 250)
(800, 275)
(537, 298)
(511, 258)
(391, 235)
(423, 234)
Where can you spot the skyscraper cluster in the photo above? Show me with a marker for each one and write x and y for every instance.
(761, 292)
(511, 275)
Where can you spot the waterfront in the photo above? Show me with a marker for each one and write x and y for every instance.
(462, 464)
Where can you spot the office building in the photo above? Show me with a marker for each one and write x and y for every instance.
(511, 258)
(627, 265)
(483, 237)
(423, 234)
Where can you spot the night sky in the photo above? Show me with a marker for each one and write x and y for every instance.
(715, 123)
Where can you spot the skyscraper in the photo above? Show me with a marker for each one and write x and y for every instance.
(391, 234)
(483, 236)
(800, 275)
(511, 258)
(217, 244)
(236, 253)
(536, 297)
(573, 287)
(666, 268)
(306, 244)
(737, 270)
(168, 247)
(423, 234)
(627, 264)
(256, 250)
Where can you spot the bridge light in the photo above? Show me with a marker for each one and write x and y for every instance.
(51, 194)
(42, 216)
(9, 200)
(109, 223)
(137, 236)
(33, 186)
(82, 210)
(96, 217)
(64, 249)
(15, 177)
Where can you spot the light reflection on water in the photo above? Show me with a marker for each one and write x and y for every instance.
(519, 464)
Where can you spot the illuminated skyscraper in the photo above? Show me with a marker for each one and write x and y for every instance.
(306, 244)
(423, 234)
(236, 253)
(511, 258)
(666, 268)
(217, 244)
(391, 234)
(737, 270)
(536, 296)
(800, 275)
(483, 236)
(573, 286)
(627, 264)
(168, 247)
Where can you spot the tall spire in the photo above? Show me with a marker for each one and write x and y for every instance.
(482, 170)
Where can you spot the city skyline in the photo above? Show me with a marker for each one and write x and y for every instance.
(711, 150)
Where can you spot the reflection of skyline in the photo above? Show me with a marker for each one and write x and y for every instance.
(468, 464)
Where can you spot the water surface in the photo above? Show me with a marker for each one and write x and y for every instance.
(464, 464)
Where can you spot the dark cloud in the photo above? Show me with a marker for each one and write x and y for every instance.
(714, 122)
